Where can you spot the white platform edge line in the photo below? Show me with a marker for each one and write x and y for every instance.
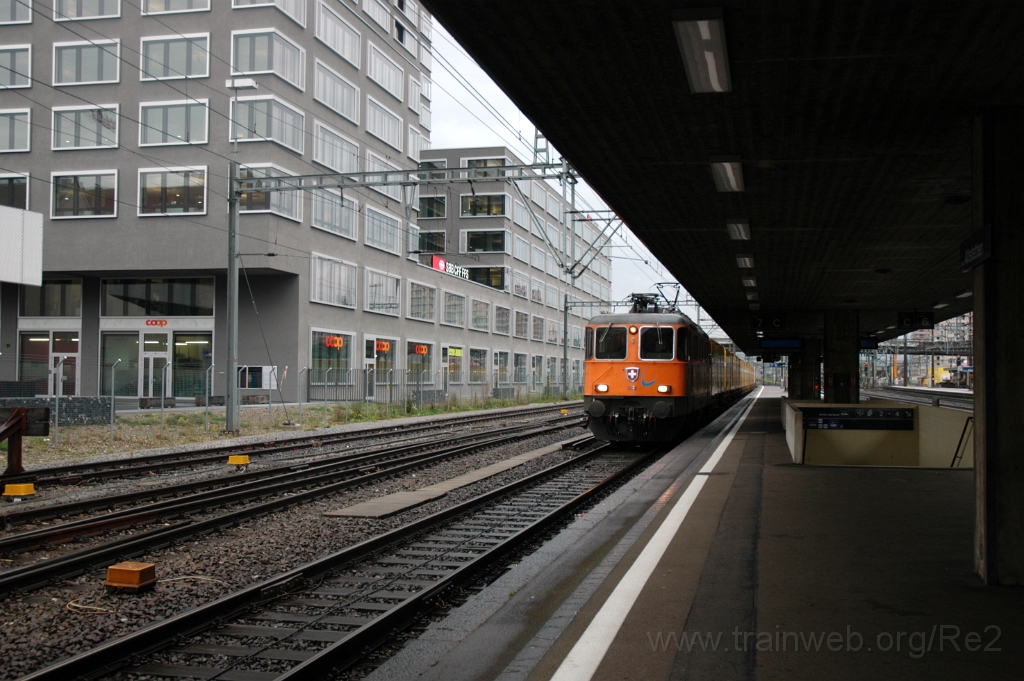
(589, 651)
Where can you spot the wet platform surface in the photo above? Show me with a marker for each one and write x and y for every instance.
(784, 572)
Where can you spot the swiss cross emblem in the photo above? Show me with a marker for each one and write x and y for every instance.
(632, 373)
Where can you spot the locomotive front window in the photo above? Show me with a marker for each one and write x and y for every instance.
(683, 346)
(656, 343)
(611, 342)
(588, 344)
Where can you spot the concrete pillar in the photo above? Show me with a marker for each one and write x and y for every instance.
(795, 376)
(841, 354)
(998, 362)
(810, 370)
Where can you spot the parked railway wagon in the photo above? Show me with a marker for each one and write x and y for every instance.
(651, 372)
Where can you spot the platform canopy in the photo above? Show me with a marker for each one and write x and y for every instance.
(846, 126)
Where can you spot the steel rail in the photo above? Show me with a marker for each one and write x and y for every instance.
(41, 573)
(114, 654)
(74, 473)
(236, 480)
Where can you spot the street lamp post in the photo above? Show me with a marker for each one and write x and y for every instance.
(231, 389)
(112, 398)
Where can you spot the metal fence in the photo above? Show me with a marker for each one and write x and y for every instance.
(407, 389)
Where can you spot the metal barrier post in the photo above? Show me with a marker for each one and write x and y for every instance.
(270, 398)
(298, 389)
(56, 402)
(112, 391)
(326, 375)
(209, 393)
(163, 393)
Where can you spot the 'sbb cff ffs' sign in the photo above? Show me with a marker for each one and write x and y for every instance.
(442, 265)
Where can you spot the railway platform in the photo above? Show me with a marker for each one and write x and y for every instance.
(724, 560)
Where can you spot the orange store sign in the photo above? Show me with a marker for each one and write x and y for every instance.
(421, 349)
(336, 342)
(383, 346)
(156, 322)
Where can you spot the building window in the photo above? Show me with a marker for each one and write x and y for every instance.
(336, 93)
(502, 320)
(414, 94)
(168, 58)
(375, 163)
(338, 34)
(484, 205)
(334, 150)
(15, 11)
(439, 164)
(433, 207)
(519, 372)
(489, 241)
(412, 240)
(477, 365)
(419, 362)
(85, 127)
(551, 297)
(520, 285)
(554, 334)
(538, 329)
(537, 193)
(432, 242)
(383, 293)
(15, 66)
(454, 309)
(422, 299)
(379, 13)
(331, 281)
(55, 298)
(14, 129)
(287, 204)
(335, 213)
(268, 119)
(296, 9)
(522, 250)
(552, 264)
(87, 63)
(553, 206)
(539, 258)
(383, 124)
(481, 167)
(65, 10)
(171, 6)
(14, 191)
(383, 231)
(454, 364)
(330, 350)
(521, 215)
(85, 194)
(172, 191)
(267, 51)
(415, 143)
(481, 319)
(386, 73)
(537, 291)
(522, 327)
(425, 118)
(174, 123)
(151, 297)
(488, 276)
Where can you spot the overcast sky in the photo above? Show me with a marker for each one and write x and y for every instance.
(460, 119)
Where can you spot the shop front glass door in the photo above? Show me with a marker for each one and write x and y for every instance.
(154, 359)
(65, 346)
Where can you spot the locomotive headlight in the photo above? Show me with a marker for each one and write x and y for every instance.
(632, 329)
(664, 388)
(601, 387)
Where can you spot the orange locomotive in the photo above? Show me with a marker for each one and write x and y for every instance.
(650, 372)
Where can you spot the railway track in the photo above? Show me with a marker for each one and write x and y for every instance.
(324, 616)
(71, 474)
(901, 397)
(270, 494)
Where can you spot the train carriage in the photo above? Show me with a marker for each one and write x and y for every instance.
(651, 372)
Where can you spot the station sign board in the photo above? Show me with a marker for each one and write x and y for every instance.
(976, 249)
(858, 418)
(781, 343)
(442, 265)
(913, 321)
(768, 322)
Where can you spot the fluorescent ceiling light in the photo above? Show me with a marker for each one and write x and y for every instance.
(755, 306)
(701, 38)
(745, 261)
(751, 296)
(739, 230)
(749, 281)
(966, 294)
(728, 173)
(891, 327)
(941, 305)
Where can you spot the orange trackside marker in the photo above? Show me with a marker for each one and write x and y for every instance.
(131, 576)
